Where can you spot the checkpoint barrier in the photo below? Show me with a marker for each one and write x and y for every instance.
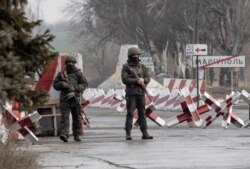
(190, 113)
(216, 109)
(184, 99)
(152, 115)
(19, 125)
(163, 99)
(224, 109)
(246, 97)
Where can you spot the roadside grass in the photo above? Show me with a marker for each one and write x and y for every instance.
(14, 156)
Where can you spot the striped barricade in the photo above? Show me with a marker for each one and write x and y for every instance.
(172, 100)
(220, 109)
(118, 97)
(186, 115)
(191, 107)
(105, 103)
(172, 84)
(162, 99)
(23, 125)
(246, 97)
(151, 114)
(99, 96)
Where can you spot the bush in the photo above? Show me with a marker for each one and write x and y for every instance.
(13, 156)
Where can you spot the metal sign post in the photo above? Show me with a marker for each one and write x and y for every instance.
(197, 74)
(198, 50)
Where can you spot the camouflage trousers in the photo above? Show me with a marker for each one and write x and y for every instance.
(135, 102)
(66, 108)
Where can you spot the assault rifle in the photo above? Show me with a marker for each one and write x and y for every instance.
(142, 86)
(82, 115)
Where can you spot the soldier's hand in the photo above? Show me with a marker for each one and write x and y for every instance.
(65, 85)
(141, 81)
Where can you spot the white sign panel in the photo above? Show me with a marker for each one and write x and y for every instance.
(219, 61)
(196, 49)
(148, 62)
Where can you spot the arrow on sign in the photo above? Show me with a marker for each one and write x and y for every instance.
(198, 50)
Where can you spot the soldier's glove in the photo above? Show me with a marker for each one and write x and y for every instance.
(65, 85)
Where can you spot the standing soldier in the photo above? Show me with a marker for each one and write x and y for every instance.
(71, 82)
(135, 76)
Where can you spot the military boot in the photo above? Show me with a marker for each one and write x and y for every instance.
(77, 138)
(128, 135)
(64, 138)
(145, 134)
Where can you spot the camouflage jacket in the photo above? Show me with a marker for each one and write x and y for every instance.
(129, 79)
(77, 80)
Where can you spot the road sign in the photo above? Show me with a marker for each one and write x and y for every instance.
(219, 61)
(196, 49)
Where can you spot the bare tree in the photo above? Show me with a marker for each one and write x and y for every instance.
(164, 27)
(228, 21)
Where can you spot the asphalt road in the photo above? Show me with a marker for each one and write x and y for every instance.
(104, 146)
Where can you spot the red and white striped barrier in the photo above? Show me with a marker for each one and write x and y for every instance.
(122, 106)
(152, 115)
(191, 107)
(172, 100)
(154, 94)
(172, 84)
(11, 114)
(186, 115)
(246, 97)
(87, 103)
(105, 103)
(119, 96)
(22, 125)
(216, 106)
(221, 109)
(229, 117)
(162, 99)
(89, 93)
(99, 96)
(224, 109)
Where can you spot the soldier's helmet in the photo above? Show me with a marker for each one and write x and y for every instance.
(134, 51)
(70, 59)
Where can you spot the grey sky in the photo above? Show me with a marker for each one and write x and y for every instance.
(50, 10)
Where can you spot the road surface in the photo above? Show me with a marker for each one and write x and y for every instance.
(104, 146)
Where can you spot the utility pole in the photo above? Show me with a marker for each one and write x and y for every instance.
(196, 41)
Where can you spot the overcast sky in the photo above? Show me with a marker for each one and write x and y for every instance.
(50, 10)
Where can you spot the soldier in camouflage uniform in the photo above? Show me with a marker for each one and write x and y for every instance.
(71, 82)
(135, 75)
